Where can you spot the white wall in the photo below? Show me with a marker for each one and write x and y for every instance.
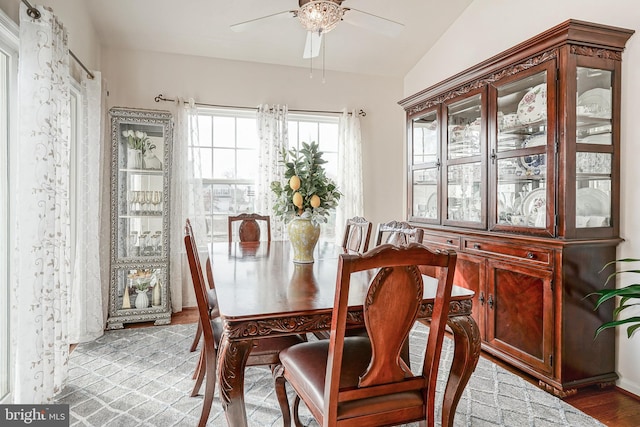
(488, 27)
(134, 78)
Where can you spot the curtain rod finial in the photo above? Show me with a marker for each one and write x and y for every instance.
(158, 98)
(33, 13)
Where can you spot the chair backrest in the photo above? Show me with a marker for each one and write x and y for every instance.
(398, 233)
(249, 230)
(356, 234)
(390, 310)
(199, 285)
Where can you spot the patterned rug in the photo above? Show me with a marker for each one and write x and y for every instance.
(142, 377)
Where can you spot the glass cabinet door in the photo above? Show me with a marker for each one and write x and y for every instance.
(141, 200)
(139, 288)
(594, 142)
(464, 164)
(425, 168)
(519, 153)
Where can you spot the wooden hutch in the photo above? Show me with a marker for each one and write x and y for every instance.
(514, 163)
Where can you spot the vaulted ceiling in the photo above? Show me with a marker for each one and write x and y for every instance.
(202, 28)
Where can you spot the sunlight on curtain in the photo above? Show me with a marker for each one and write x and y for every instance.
(40, 303)
(186, 197)
(273, 137)
(86, 320)
(349, 171)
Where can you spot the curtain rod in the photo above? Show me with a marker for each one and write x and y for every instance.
(35, 14)
(160, 97)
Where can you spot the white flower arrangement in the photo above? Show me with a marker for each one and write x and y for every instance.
(138, 140)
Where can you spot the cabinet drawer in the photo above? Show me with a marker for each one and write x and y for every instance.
(529, 254)
(440, 240)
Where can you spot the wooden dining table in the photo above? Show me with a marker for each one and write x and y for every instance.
(262, 293)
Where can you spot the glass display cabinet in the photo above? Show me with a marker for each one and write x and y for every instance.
(141, 143)
(514, 163)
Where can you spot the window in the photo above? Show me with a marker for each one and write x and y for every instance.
(323, 130)
(227, 150)
(8, 76)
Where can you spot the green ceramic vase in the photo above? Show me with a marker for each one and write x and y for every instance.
(303, 236)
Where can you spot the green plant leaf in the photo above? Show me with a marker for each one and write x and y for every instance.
(615, 323)
(631, 291)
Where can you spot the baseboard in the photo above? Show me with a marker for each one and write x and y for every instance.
(629, 388)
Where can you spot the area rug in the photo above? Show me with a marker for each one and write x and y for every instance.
(142, 377)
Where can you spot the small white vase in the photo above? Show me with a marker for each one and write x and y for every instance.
(134, 159)
(142, 300)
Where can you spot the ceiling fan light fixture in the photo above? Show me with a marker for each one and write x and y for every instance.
(320, 16)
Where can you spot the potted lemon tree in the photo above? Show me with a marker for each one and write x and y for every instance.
(305, 199)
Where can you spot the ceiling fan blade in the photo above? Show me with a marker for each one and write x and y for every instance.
(242, 26)
(369, 21)
(312, 45)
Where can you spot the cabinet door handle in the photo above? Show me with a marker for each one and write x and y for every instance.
(449, 241)
(493, 156)
(476, 246)
(481, 298)
(490, 301)
(531, 255)
(438, 163)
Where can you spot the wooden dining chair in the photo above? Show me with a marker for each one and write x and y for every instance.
(248, 230)
(364, 381)
(265, 352)
(356, 234)
(213, 308)
(356, 239)
(398, 233)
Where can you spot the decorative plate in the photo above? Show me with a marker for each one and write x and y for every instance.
(534, 202)
(533, 106)
(591, 201)
(530, 165)
(595, 103)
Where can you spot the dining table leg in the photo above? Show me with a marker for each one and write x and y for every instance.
(232, 359)
(466, 338)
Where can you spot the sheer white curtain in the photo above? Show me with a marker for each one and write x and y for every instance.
(349, 171)
(186, 197)
(40, 293)
(272, 137)
(86, 320)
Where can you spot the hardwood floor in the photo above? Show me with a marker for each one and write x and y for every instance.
(612, 406)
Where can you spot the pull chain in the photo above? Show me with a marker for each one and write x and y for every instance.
(324, 45)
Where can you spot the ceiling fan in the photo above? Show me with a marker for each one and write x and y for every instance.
(321, 16)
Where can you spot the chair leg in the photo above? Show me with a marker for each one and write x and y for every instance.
(296, 412)
(281, 392)
(199, 374)
(210, 386)
(196, 339)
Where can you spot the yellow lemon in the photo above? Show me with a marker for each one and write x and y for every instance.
(315, 201)
(297, 199)
(294, 183)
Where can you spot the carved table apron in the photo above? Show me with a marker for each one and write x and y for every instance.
(262, 293)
